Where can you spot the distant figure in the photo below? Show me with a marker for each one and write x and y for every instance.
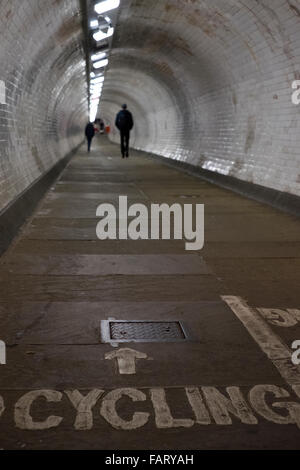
(124, 123)
(101, 123)
(89, 133)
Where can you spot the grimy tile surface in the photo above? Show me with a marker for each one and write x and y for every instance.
(230, 384)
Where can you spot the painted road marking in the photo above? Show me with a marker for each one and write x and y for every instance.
(24, 420)
(83, 405)
(275, 349)
(2, 353)
(163, 416)
(126, 359)
(295, 356)
(279, 317)
(208, 406)
(158, 406)
(109, 412)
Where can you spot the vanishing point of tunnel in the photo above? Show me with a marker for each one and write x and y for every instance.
(149, 293)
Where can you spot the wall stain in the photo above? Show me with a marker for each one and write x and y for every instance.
(234, 99)
(250, 133)
(181, 44)
(165, 68)
(8, 14)
(37, 158)
(69, 28)
(295, 9)
(287, 51)
(155, 43)
(237, 167)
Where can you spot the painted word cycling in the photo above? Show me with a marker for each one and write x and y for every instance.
(204, 405)
(151, 224)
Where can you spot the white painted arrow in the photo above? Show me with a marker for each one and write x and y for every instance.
(126, 358)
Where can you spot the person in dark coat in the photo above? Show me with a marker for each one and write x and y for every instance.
(89, 133)
(101, 125)
(124, 122)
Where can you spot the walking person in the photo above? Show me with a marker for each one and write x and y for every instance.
(101, 124)
(124, 122)
(89, 133)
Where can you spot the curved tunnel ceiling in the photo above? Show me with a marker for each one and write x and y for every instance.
(209, 82)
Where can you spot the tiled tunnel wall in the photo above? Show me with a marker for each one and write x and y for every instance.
(43, 105)
(210, 82)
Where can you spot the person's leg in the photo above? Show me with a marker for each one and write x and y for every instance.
(122, 143)
(127, 143)
(89, 143)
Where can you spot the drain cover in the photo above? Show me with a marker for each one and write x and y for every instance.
(143, 331)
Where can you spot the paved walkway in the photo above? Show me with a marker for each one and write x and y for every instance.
(216, 387)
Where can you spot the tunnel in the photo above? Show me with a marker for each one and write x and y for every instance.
(149, 341)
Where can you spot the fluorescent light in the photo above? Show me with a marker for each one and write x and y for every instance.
(94, 94)
(94, 24)
(96, 85)
(99, 36)
(93, 114)
(100, 55)
(93, 75)
(96, 88)
(94, 81)
(100, 63)
(106, 5)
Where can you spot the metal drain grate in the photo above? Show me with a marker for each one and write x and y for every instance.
(141, 331)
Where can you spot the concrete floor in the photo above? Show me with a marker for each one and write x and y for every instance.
(58, 282)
